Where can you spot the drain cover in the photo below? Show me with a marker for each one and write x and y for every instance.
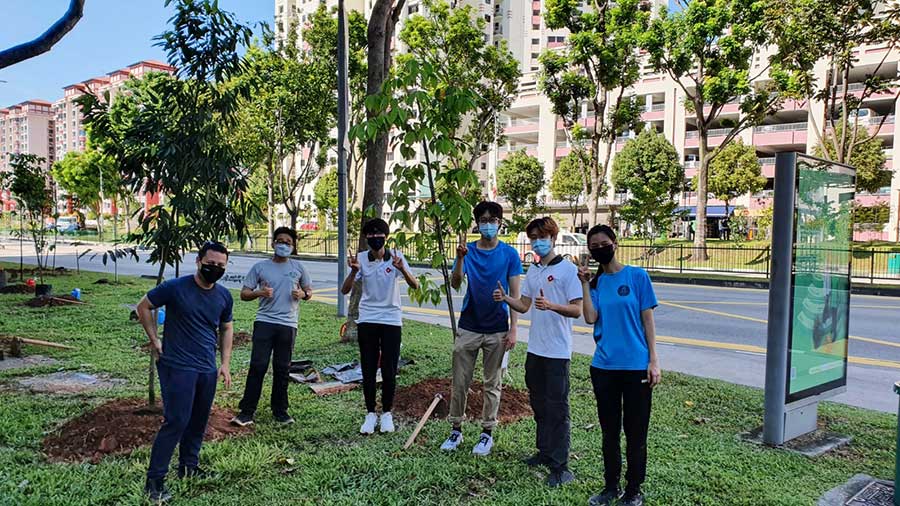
(874, 494)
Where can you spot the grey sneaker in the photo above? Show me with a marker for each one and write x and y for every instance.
(284, 419)
(485, 443)
(452, 442)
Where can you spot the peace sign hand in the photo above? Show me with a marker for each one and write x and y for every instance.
(396, 260)
(352, 261)
(462, 249)
(584, 272)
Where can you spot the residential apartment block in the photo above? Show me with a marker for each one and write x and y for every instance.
(52, 130)
(531, 124)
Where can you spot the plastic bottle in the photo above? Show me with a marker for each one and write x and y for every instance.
(161, 316)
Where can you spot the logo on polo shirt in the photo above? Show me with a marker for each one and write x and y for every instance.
(624, 291)
(550, 278)
(388, 270)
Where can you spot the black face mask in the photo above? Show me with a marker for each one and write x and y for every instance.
(603, 255)
(211, 273)
(376, 243)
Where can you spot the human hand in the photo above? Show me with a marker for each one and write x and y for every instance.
(654, 375)
(584, 272)
(352, 261)
(156, 349)
(265, 291)
(298, 294)
(225, 374)
(461, 249)
(510, 340)
(396, 260)
(499, 294)
(542, 303)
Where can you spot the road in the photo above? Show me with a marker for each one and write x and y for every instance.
(705, 331)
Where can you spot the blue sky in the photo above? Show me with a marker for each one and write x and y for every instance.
(111, 35)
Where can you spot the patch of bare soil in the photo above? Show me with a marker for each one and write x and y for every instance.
(412, 401)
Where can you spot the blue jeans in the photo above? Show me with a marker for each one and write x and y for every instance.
(187, 400)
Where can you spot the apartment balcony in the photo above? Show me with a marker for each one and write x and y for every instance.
(505, 151)
(870, 199)
(715, 136)
(785, 134)
(655, 112)
(856, 89)
(768, 166)
(522, 125)
(732, 107)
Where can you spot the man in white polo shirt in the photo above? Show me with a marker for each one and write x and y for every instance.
(553, 286)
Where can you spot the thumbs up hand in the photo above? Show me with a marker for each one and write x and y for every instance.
(542, 303)
(265, 291)
(499, 293)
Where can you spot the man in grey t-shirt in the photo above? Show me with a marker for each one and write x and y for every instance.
(279, 283)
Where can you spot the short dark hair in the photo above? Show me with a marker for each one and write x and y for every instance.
(492, 208)
(602, 229)
(376, 226)
(285, 230)
(212, 246)
(543, 226)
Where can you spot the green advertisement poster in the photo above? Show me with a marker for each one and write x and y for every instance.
(820, 301)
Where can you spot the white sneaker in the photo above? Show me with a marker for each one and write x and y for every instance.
(485, 443)
(453, 441)
(386, 424)
(368, 427)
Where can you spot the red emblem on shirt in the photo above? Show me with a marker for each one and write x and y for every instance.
(550, 278)
(388, 270)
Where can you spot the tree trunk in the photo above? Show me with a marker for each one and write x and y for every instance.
(380, 32)
(46, 41)
(700, 252)
(127, 202)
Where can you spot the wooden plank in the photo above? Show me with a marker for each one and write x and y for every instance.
(38, 342)
(332, 387)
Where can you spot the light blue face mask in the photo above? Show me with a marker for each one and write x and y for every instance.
(283, 250)
(542, 246)
(488, 230)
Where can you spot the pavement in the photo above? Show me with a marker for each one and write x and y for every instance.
(712, 332)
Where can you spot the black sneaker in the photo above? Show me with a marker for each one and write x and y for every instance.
(156, 490)
(535, 460)
(604, 498)
(242, 420)
(197, 473)
(632, 499)
(560, 477)
(284, 419)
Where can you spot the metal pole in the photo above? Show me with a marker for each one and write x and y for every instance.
(779, 299)
(343, 121)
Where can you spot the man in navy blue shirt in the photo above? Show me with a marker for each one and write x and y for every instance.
(484, 325)
(196, 308)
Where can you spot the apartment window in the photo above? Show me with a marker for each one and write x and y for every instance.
(535, 42)
(536, 12)
(534, 56)
(487, 18)
(535, 27)
(412, 9)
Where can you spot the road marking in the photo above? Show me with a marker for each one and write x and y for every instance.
(733, 303)
(700, 343)
(759, 320)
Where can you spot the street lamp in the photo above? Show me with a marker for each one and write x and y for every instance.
(343, 121)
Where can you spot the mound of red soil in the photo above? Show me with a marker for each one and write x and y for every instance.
(118, 427)
(412, 401)
(51, 301)
(15, 289)
(241, 338)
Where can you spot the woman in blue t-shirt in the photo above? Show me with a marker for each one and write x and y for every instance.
(619, 301)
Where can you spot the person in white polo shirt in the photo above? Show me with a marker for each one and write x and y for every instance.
(380, 320)
(553, 285)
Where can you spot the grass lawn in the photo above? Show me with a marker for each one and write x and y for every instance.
(695, 457)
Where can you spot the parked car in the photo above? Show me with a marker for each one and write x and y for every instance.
(570, 245)
(91, 225)
(67, 224)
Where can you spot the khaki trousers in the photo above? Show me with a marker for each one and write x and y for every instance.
(465, 353)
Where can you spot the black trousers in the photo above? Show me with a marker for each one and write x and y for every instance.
(548, 390)
(379, 341)
(276, 341)
(621, 397)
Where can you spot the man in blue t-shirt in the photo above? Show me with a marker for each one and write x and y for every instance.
(196, 308)
(484, 325)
